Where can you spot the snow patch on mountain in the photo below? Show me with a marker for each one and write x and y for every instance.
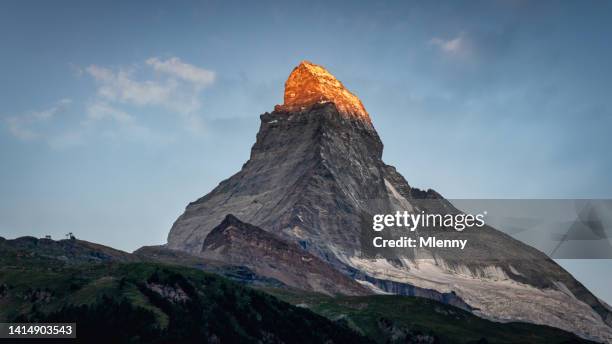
(493, 294)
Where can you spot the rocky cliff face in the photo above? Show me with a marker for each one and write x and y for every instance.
(315, 170)
(239, 243)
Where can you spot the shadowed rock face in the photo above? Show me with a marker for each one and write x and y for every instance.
(309, 176)
(312, 175)
(240, 243)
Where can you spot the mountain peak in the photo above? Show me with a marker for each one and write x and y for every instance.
(309, 84)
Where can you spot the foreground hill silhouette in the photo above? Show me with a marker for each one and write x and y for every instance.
(147, 302)
(117, 297)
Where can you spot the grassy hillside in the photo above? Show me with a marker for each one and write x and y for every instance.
(153, 303)
(390, 318)
(116, 297)
(143, 302)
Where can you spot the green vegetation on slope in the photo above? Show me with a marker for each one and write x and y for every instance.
(153, 303)
(392, 318)
(116, 298)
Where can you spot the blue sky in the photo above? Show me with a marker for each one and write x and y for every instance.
(115, 115)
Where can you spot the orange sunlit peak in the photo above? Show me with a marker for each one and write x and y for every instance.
(309, 84)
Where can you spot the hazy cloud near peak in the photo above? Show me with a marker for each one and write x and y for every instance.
(100, 111)
(120, 86)
(177, 88)
(24, 127)
(451, 46)
(175, 67)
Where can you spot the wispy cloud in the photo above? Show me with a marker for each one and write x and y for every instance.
(25, 127)
(125, 125)
(101, 111)
(454, 45)
(170, 84)
(177, 89)
(177, 68)
(121, 87)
